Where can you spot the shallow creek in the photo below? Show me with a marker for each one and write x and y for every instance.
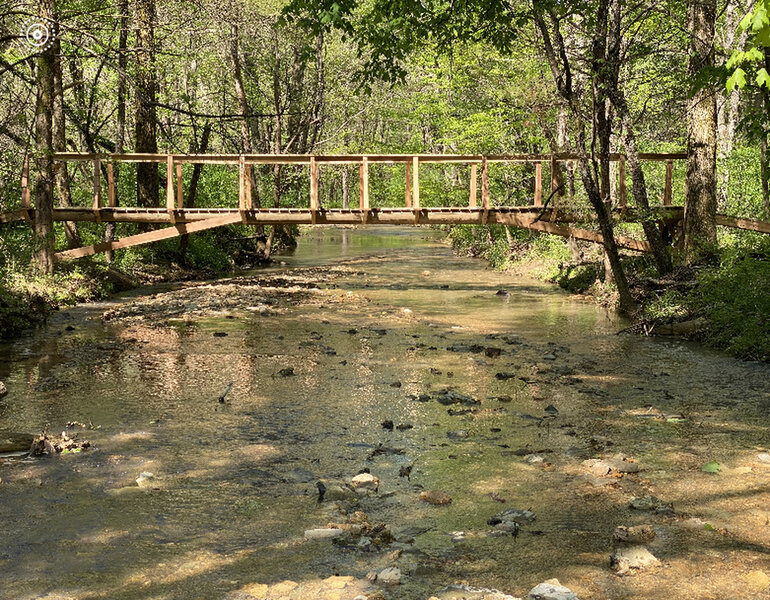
(394, 316)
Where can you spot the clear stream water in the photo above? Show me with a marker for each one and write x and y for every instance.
(234, 486)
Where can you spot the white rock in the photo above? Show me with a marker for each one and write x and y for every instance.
(322, 534)
(145, 479)
(365, 481)
(3, 389)
(551, 590)
(389, 576)
(534, 459)
(626, 558)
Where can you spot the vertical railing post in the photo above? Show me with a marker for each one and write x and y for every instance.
(554, 179)
(538, 184)
(170, 187)
(313, 190)
(484, 189)
(363, 188)
(97, 189)
(179, 186)
(623, 196)
(408, 185)
(112, 194)
(242, 187)
(416, 188)
(667, 190)
(472, 199)
(554, 187)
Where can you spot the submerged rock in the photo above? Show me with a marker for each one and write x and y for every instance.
(448, 397)
(435, 497)
(639, 534)
(610, 466)
(15, 442)
(389, 576)
(464, 592)
(628, 558)
(323, 533)
(145, 479)
(3, 389)
(652, 504)
(365, 481)
(287, 372)
(551, 590)
(512, 514)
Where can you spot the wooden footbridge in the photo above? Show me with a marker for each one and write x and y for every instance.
(553, 219)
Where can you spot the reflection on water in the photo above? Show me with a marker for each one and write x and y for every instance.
(235, 482)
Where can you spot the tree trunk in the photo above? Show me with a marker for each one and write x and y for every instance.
(120, 137)
(147, 178)
(201, 148)
(765, 167)
(592, 172)
(60, 145)
(44, 183)
(700, 209)
(728, 103)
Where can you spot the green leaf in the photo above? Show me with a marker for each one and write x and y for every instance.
(738, 78)
(763, 78)
(760, 18)
(711, 467)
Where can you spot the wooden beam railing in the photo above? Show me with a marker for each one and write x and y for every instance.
(246, 162)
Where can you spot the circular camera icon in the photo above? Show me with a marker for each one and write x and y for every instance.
(38, 33)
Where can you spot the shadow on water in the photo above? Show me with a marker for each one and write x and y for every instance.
(234, 483)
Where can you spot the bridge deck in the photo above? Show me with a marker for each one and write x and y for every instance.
(536, 217)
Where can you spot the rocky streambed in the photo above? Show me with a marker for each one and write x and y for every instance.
(378, 422)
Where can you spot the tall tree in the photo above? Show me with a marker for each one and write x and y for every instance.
(120, 126)
(700, 209)
(44, 164)
(60, 145)
(147, 178)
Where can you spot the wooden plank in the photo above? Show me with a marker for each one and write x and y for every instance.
(622, 193)
(668, 187)
(112, 199)
(15, 215)
(748, 224)
(314, 206)
(97, 189)
(179, 186)
(241, 183)
(148, 237)
(365, 172)
(484, 189)
(472, 199)
(538, 184)
(289, 159)
(416, 188)
(170, 187)
(408, 185)
(249, 196)
(528, 222)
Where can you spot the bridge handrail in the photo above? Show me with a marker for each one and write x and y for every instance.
(245, 162)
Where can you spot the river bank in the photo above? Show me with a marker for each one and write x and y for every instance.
(724, 304)
(461, 437)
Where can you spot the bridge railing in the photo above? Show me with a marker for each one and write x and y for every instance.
(411, 162)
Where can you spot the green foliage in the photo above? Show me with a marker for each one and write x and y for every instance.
(757, 25)
(25, 300)
(736, 298)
